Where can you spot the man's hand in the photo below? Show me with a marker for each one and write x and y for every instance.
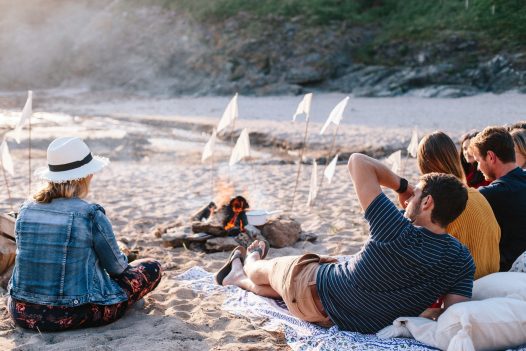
(405, 196)
(368, 175)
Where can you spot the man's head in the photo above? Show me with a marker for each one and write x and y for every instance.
(439, 198)
(493, 149)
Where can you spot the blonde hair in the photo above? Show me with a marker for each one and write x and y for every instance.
(438, 153)
(71, 188)
(519, 139)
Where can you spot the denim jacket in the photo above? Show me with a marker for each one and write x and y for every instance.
(66, 252)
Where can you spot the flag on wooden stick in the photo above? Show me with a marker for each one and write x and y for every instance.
(412, 149)
(7, 161)
(313, 190)
(335, 116)
(26, 115)
(303, 107)
(242, 148)
(209, 149)
(331, 168)
(395, 161)
(230, 114)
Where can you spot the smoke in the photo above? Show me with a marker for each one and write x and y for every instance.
(99, 44)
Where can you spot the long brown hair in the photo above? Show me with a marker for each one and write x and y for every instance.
(519, 139)
(72, 188)
(438, 153)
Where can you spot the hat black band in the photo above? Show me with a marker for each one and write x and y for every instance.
(72, 165)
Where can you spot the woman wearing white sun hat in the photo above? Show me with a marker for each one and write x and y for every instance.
(69, 272)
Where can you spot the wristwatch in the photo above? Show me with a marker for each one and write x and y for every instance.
(403, 186)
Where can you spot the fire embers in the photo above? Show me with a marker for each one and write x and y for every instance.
(235, 219)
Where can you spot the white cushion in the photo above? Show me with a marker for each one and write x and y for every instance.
(501, 284)
(496, 323)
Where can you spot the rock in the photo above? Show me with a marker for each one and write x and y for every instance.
(221, 244)
(198, 237)
(252, 231)
(282, 231)
(160, 229)
(210, 228)
(443, 91)
(251, 234)
(173, 240)
(308, 236)
(180, 239)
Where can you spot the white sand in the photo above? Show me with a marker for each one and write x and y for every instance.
(156, 177)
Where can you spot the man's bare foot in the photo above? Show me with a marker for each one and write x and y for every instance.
(236, 273)
(257, 249)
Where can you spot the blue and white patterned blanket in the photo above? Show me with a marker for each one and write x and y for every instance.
(272, 315)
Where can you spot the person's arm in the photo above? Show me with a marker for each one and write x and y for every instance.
(106, 247)
(449, 299)
(368, 175)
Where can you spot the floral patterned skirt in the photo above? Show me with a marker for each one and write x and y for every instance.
(140, 278)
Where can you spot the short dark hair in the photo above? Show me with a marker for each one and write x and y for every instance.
(449, 194)
(496, 139)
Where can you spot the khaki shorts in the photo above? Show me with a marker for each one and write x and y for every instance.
(292, 277)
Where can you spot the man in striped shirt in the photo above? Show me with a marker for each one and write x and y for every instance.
(408, 262)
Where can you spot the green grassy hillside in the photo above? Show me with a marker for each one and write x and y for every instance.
(500, 23)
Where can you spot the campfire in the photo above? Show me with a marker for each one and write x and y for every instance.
(223, 224)
(235, 220)
(230, 218)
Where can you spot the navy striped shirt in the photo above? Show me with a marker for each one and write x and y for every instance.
(400, 271)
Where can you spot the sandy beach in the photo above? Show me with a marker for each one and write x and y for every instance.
(156, 177)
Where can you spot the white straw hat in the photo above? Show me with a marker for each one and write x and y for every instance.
(69, 158)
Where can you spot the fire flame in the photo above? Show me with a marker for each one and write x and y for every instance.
(237, 207)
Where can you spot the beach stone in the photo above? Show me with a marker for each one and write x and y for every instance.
(308, 236)
(163, 228)
(251, 234)
(210, 228)
(173, 239)
(220, 244)
(282, 231)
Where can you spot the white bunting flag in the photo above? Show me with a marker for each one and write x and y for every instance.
(313, 190)
(242, 148)
(7, 161)
(395, 160)
(412, 149)
(230, 114)
(303, 107)
(331, 168)
(336, 114)
(209, 149)
(26, 115)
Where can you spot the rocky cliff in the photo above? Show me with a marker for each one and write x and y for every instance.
(146, 47)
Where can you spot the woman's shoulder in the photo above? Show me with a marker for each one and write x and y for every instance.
(72, 205)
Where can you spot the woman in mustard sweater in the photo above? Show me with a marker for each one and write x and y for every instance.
(476, 227)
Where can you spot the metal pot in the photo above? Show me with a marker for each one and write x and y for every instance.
(259, 217)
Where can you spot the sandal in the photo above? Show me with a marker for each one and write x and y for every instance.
(239, 252)
(262, 253)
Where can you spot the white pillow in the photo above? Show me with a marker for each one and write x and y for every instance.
(496, 323)
(501, 284)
